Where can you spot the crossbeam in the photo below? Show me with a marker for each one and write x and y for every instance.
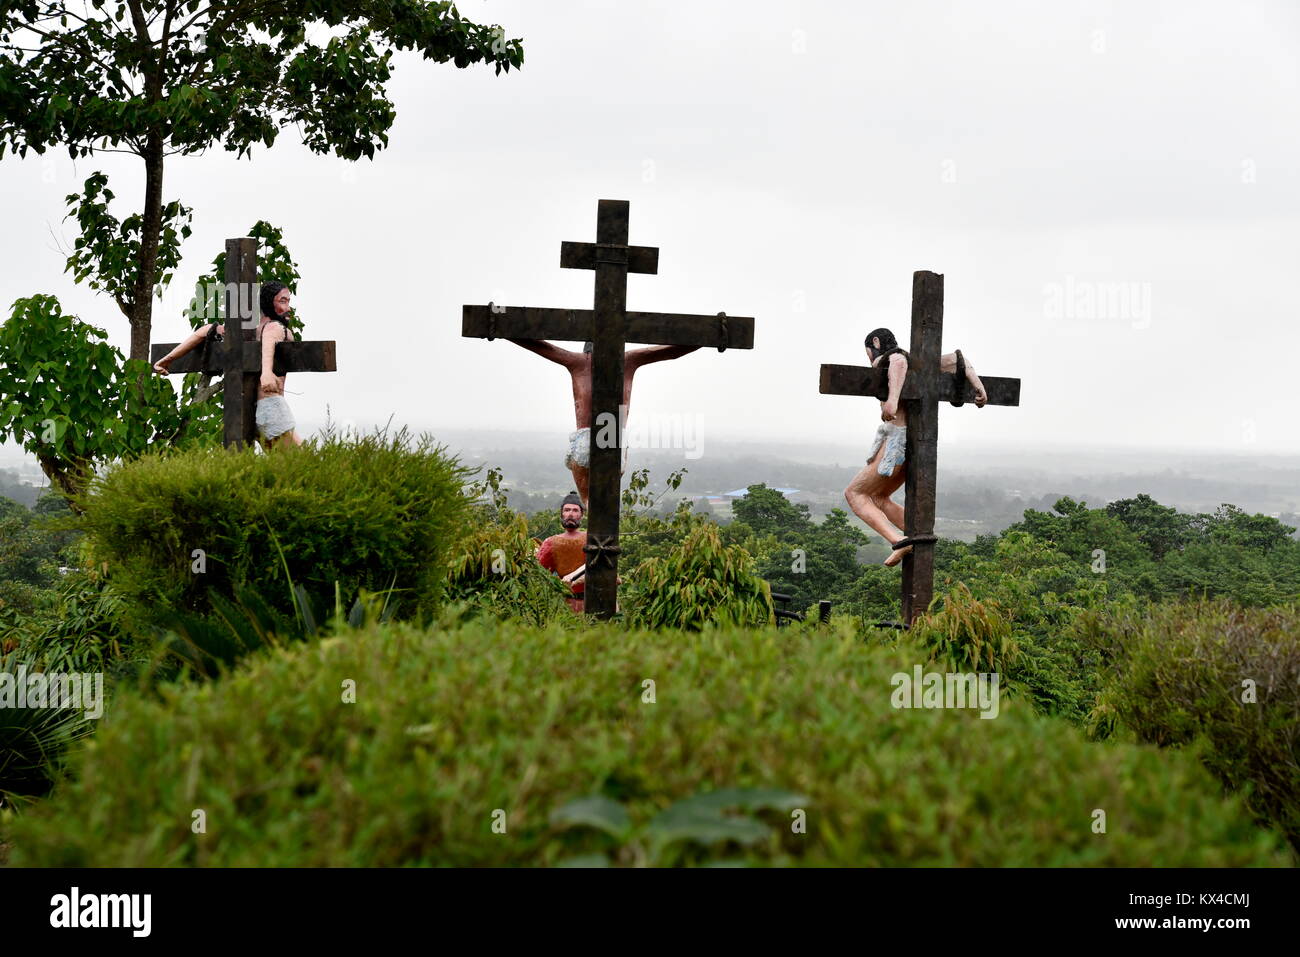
(861, 380)
(639, 259)
(579, 325)
(289, 357)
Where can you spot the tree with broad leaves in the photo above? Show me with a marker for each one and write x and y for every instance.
(160, 77)
(75, 402)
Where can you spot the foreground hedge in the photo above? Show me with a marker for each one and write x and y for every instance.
(369, 512)
(1223, 677)
(452, 725)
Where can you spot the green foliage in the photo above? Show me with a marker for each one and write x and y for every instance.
(27, 564)
(207, 646)
(218, 81)
(274, 264)
(33, 741)
(807, 560)
(637, 497)
(70, 398)
(970, 635)
(78, 626)
(370, 513)
(1159, 528)
(107, 253)
(452, 722)
(1039, 587)
(700, 582)
(495, 570)
(1224, 678)
(683, 832)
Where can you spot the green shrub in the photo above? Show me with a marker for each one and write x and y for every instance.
(495, 571)
(78, 626)
(451, 725)
(700, 582)
(368, 512)
(969, 634)
(1181, 675)
(33, 740)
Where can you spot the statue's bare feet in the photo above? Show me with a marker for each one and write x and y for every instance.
(897, 556)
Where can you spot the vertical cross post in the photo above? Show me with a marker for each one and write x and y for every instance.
(922, 451)
(606, 400)
(239, 387)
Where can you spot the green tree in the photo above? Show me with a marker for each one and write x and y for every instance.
(160, 77)
(91, 406)
(813, 561)
(766, 510)
(1159, 527)
(88, 405)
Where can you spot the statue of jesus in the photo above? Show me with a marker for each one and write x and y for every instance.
(869, 493)
(579, 366)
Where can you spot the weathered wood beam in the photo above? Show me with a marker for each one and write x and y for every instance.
(578, 325)
(922, 445)
(862, 380)
(642, 259)
(289, 357)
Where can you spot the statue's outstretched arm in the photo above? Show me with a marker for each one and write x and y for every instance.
(636, 358)
(548, 350)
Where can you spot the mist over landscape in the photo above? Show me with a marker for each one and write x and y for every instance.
(981, 490)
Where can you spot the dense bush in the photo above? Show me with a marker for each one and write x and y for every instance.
(455, 728)
(368, 512)
(1224, 677)
(33, 740)
(495, 570)
(78, 626)
(968, 634)
(700, 582)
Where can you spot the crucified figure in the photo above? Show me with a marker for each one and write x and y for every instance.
(275, 422)
(869, 493)
(579, 366)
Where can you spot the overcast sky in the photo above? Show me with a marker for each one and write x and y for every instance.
(1111, 191)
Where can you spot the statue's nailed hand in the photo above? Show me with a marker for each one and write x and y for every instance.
(161, 365)
(981, 397)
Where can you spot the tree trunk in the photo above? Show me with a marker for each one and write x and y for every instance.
(68, 479)
(150, 228)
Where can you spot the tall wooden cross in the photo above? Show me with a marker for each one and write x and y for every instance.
(239, 358)
(608, 327)
(923, 389)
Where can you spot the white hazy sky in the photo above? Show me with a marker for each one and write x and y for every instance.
(795, 162)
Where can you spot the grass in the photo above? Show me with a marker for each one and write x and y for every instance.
(459, 730)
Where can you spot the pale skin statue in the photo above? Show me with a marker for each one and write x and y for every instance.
(270, 383)
(579, 366)
(869, 493)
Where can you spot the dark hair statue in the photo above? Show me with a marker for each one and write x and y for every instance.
(269, 291)
(572, 499)
(888, 344)
(887, 340)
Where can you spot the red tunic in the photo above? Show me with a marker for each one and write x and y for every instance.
(563, 554)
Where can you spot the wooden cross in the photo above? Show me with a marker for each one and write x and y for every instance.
(923, 389)
(239, 359)
(608, 327)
